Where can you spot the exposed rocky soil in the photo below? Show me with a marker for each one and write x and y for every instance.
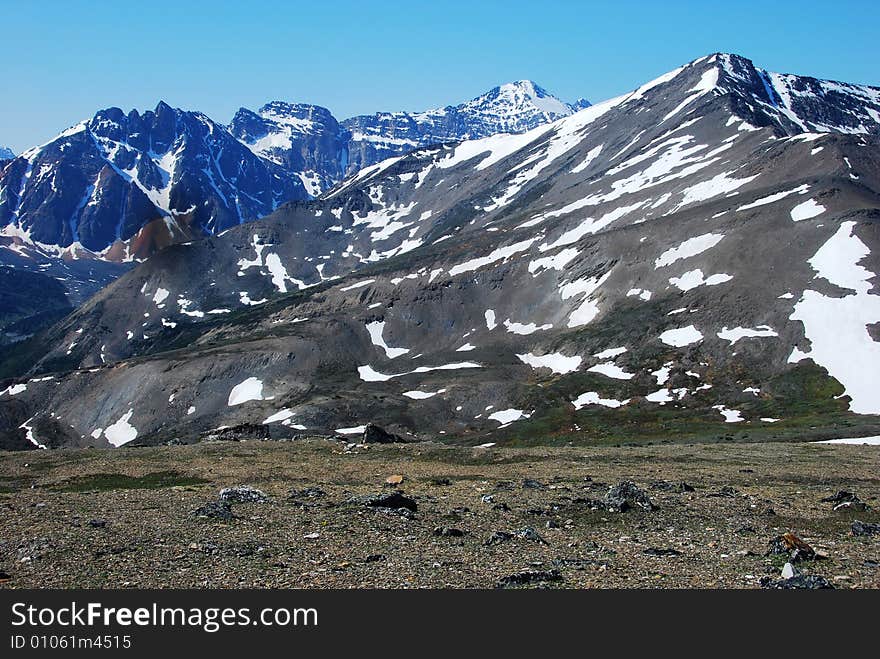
(715, 516)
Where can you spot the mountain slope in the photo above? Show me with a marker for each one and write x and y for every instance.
(660, 266)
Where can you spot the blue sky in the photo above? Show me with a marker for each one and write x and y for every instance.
(65, 59)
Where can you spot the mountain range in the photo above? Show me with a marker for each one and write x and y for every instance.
(696, 257)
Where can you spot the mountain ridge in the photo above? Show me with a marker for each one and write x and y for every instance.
(656, 265)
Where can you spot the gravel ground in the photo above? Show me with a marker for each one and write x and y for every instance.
(124, 518)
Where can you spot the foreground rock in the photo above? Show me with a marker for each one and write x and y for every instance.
(215, 510)
(865, 528)
(626, 495)
(243, 494)
(797, 582)
(395, 502)
(788, 544)
(530, 577)
(373, 434)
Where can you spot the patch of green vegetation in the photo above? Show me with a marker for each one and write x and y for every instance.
(805, 399)
(106, 482)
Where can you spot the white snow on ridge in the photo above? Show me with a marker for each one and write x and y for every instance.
(249, 389)
(838, 260)
(359, 284)
(508, 416)
(355, 430)
(730, 416)
(589, 308)
(369, 374)
(422, 395)
(591, 156)
(500, 254)
(682, 336)
(160, 295)
(737, 333)
(690, 247)
(609, 353)
(556, 362)
(611, 370)
(807, 210)
(837, 327)
(861, 441)
(525, 329)
(376, 330)
(122, 431)
(14, 389)
(769, 199)
(490, 319)
(281, 415)
(593, 398)
(694, 278)
(717, 185)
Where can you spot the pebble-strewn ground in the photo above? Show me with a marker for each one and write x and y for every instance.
(123, 518)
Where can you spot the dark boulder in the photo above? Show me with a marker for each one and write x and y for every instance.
(797, 582)
(373, 434)
(626, 495)
(865, 528)
(530, 577)
(215, 510)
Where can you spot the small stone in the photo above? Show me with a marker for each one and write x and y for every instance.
(312, 536)
(448, 532)
(395, 479)
(243, 494)
(661, 553)
(97, 523)
(307, 493)
(532, 484)
(528, 533)
(788, 544)
(497, 538)
(788, 571)
(865, 528)
(215, 510)
(529, 577)
(393, 500)
(797, 582)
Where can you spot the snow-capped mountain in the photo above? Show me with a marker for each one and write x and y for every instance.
(512, 108)
(307, 139)
(304, 139)
(121, 186)
(693, 259)
(6, 153)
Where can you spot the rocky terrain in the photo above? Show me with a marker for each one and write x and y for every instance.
(6, 154)
(661, 266)
(320, 513)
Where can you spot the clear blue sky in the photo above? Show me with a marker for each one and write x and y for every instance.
(64, 59)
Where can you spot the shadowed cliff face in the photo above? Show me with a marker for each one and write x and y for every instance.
(685, 262)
